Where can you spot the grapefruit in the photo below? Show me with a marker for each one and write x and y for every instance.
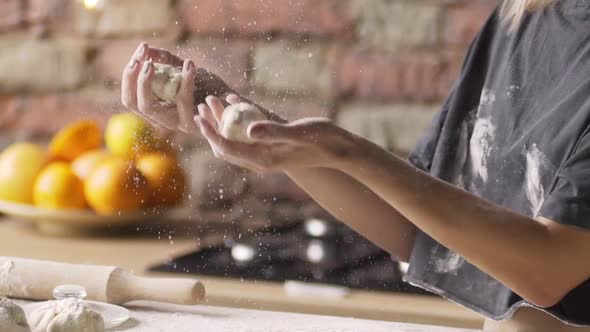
(57, 187)
(20, 164)
(166, 178)
(128, 135)
(85, 164)
(74, 140)
(116, 186)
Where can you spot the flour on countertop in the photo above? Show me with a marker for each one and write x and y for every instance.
(4, 271)
(152, 317)
(10, 284)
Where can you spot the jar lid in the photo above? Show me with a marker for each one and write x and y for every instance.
(69, 291)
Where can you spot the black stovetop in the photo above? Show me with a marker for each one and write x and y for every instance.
(314, 252)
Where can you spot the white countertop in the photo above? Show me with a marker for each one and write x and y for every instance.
(157, 317)
(161, 317)
(135, 253)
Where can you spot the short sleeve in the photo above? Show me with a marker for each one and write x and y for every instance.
(423, 154)
(568, 202)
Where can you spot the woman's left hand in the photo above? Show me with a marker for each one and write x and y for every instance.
(305, 143)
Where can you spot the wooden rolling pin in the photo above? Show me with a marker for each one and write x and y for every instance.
(35, 280)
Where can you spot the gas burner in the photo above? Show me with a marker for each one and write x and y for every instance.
(314, 251)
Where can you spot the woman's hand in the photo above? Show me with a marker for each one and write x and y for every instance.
(137, 96)
(310, 142)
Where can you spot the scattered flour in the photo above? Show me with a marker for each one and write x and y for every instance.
(163, 317)
(487, 98)
(482, 139)
(537, 165)
(68, 315)
(461, 156)
(481, 145)
(4, 271)
(449, 262)
(12, 317)
(513, 90)
(11, 284)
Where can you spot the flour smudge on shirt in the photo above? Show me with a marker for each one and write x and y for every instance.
(537, 165)
(482, 139)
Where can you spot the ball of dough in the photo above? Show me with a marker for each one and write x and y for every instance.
(12, 317)
(166, 82)
(69, 315)
(236, 119)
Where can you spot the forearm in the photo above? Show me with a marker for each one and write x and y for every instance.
(357, 206)
(513, 248)
(354, 204)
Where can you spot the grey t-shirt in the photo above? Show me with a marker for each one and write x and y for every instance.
(514, 131)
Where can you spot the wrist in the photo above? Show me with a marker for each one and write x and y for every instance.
(368, 157)
(355, 153)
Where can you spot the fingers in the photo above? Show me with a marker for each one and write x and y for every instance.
(129, 82)
(232, 98)
(225, 146)
(145, 97)
(217, 107)
(147, 103)
(185, 99)
(130, 75)
(129, 85)
(227, 150)
(159, 55)
(206, 113)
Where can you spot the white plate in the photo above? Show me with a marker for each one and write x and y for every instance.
(113, 315)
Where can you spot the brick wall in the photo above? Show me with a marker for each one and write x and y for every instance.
(380, 67)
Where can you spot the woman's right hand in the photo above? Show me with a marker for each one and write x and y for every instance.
(197, 83)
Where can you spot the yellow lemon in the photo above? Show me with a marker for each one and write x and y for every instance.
(88, 161)
(20, 164)
(165, 176)
(127, 135)
(74, 140)
(116, 186)
(57, 187)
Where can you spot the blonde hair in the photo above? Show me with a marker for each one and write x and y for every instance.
(512, 11)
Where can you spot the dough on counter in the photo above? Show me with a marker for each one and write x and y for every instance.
(166, 82)
(236, 119)
(12, 317)
(69, 315)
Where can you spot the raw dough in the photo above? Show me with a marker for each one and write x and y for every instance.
(69, 315)
(12, 317)
(237, 118)
(166, 82)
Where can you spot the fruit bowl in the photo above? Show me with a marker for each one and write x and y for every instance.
(71, 222)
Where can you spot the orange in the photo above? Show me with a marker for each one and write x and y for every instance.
(165, 176)
(128, 135)
(86, 163)
(75, 139)
(57, 187)
(116, 186)
(20, 164)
